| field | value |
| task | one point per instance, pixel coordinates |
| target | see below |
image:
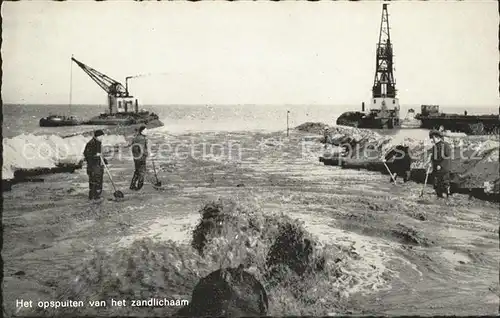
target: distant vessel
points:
(432, 118)
(61, 120)
(123, 109)
(384, 105)
(58, 121)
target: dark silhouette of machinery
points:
(123, 109)
(384, 105)
(119, 99)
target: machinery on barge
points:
(123, 108)
(384, 104)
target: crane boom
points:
(109, 85)
(119, 100)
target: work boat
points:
(58, 121)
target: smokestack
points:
(136, 106)
(363, 106)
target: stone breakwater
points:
(475, 159)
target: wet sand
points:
(420, 256)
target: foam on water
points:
(370, 272)
(164, 229)
(455, 257)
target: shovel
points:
(392, 176)
(426, 175)
(117, 194)
(158, 182)
(425, 182)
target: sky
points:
(249, 52)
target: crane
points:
(384, 106)
(384, 85)
(119, 99)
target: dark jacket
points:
(441, 156)
(400, 156)
(92, 148)
(140, 147)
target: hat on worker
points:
(436, 133)
(98, 133)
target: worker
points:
(441, 163)
(399, 162)
(326, 136)
(94, 159)
(140, 153)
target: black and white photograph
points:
(250, 158)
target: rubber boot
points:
(133, 185)
(407, 176)
(439, 192)
(140, 183)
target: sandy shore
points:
(418, 256)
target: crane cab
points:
(123, 104)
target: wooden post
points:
(287, 129)
(70, 84)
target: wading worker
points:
(95, 169)
(399, 162)
(441, 163)
(140, 153)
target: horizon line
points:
(237, 104)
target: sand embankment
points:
(475, 159)
(29, 152)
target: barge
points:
(58, 121)
(431, 118)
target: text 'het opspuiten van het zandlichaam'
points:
(151, 302)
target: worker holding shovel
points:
(399, 163)
(441, 163)
(140, 152)
(95, 168)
